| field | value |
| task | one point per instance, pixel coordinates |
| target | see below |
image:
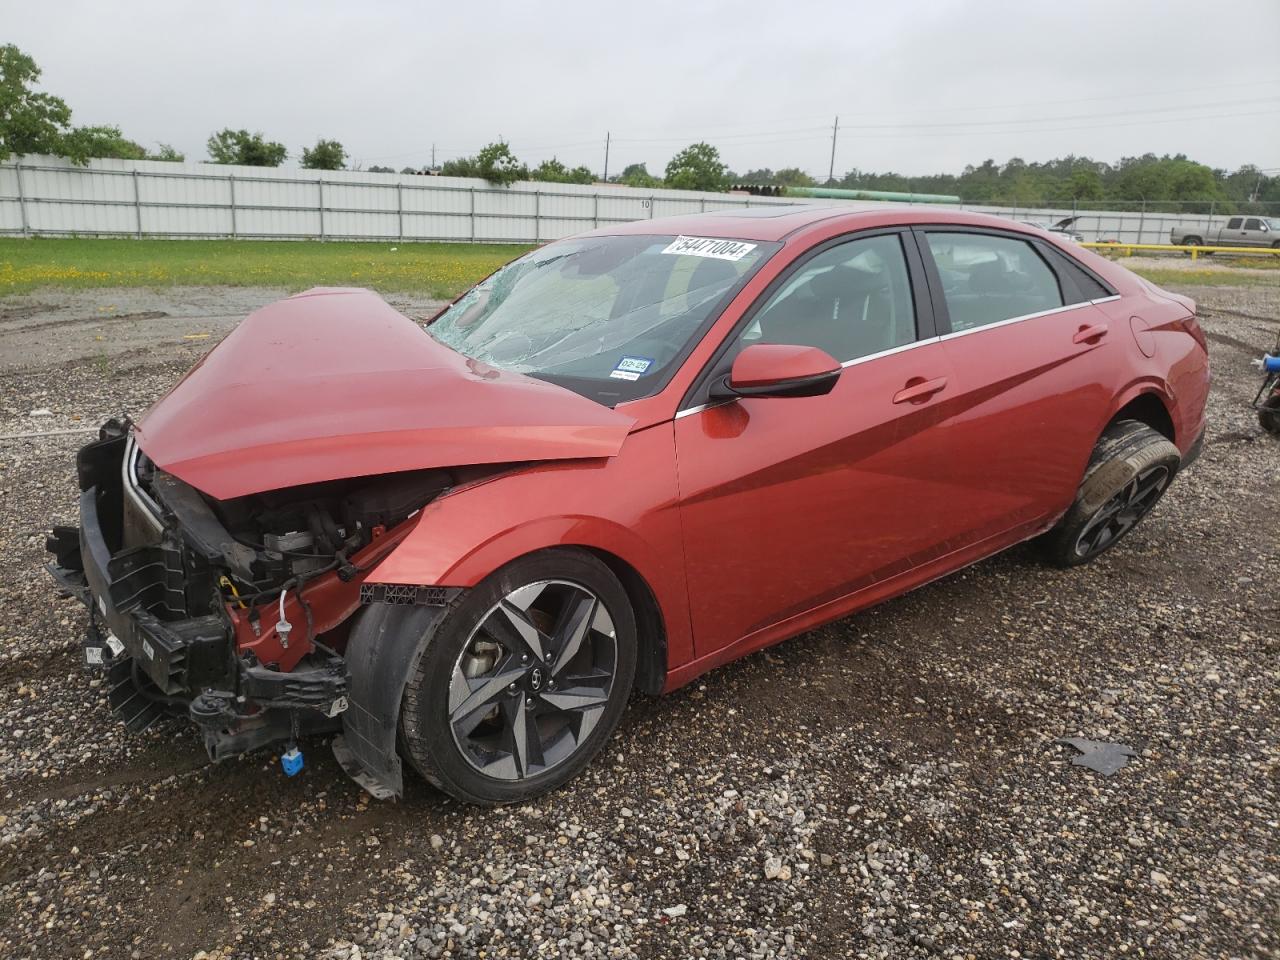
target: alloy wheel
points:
(1118, 515)
(532, 680)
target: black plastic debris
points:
(1105, 758)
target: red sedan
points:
(616, 463)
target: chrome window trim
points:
(1026, 316)
(129, 480)
(689, 411)
(892, 350)
(848, 363)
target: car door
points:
(1035, 366)
(789, 503)
(1232, 235)
(1253, 235)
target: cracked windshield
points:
(606, 316)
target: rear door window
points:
(1086, 286)
(1234, 223)
(987, 278)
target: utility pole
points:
(835, 129)
(433, 156)
(605, 178)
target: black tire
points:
(1192, 242)
(1269, 412)
(429, 734)
(1275, 244)
(1130, 470)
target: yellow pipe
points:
(1128, 248)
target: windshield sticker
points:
(631, 368)
(733, 250)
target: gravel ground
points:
(888, 786)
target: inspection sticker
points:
(631, 368)
(709, 247)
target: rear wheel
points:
(1192, 242)
(1131, 468)
(521, 684)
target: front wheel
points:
(1130, 470)
(523, 681)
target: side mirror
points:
(778, 370)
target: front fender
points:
(626, 506)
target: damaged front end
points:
(235, 613)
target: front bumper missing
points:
(170, 665)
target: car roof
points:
(775, 222)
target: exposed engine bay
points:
(234, 612)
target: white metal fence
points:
(49, 196)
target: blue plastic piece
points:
(1270, 364)
(291, 761)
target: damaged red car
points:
(614, 464)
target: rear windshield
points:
(608, 317)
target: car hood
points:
(334, 383)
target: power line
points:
(765, 136)
(1269, 82)
(1023, 121)
(1092, 126)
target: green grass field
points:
(440, 270)
(1172, 279)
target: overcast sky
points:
(919, 86)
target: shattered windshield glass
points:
(606, 316)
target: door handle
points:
(918, 390)
(1090, 333)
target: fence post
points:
(595, 211)
(651, 206)
(537, 216)
(1209, 226)
(472, 217)
(231, 182)
(320, 184)
(1142, 219)
(22, 200)
(137, 206)
(400, 210)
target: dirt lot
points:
(886, 787)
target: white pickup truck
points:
(1239, 232)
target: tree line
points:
(32, 121)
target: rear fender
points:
(1154, 387)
